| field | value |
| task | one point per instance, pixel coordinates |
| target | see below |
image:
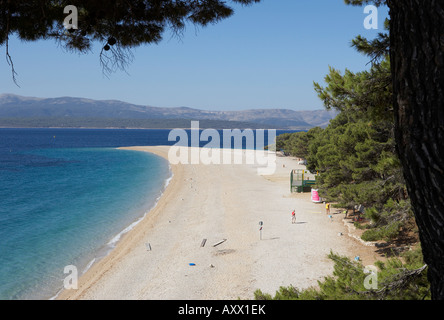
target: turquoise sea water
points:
(67, 206)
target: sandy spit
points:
(216, 203)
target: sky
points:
(264, 56)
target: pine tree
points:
(395, 279)
(417, 68)
(117, 25)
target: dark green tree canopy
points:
(131, 23)
(118, 25)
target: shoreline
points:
(214, 206)
(96, 267)
(109, 246)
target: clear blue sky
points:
(264, 56)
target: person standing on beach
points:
(293, 216)
(327, 207)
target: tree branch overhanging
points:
(130, 22)
(397, 282)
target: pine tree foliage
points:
(356, 155)
(297, 143)
(117, 25)
(364, 2)
(130, 23)
(402, 278)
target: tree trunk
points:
(417, 62)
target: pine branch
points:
(399, 282)
(8, 56)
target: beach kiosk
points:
(301, 180)
(315, 196)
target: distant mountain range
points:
(19, 111)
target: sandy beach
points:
(218, 203)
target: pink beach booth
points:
(315, 195)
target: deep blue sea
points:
(66, 196)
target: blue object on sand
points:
(192, 264)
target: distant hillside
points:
(79, 112)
